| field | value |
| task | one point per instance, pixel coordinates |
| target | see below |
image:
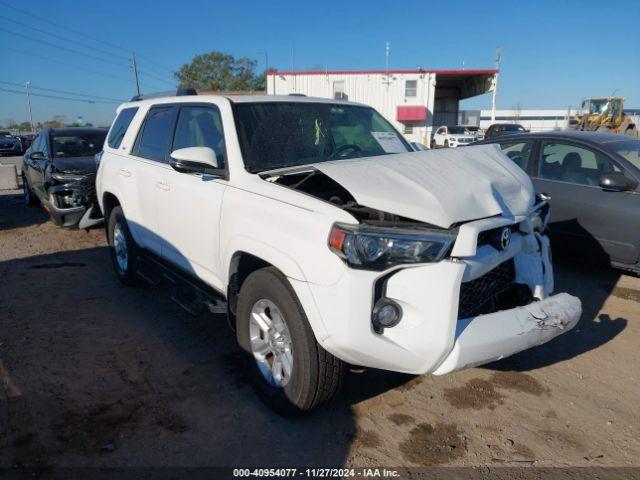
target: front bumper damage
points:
(492, 337)
(431, 338)
(74, 204)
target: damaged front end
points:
(435, 297)
(71, 199)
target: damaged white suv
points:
(327, 240)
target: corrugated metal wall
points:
(377, 90)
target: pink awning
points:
(412, 113)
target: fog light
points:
(386, 314)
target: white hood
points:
(439, 187)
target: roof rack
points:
(178, 93)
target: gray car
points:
(593, 180)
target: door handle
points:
(163, 185)
(124, 172)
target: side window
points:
(155, 137)
(441, 131)
(338, 90)
(35, 145)
(42, 144)
(518, 152)
(119, 127)
(573, 164)
(200, 126)
(410, 88)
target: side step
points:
(188, 292)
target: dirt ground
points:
(95, 374)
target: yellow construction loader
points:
(604, 115)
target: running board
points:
(188, 292)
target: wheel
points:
(122, 247)
(27, 194)
(288, 369)
(446, 144)
(433, 143)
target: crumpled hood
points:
(439, 187)
(75, 164)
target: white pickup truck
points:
(327, 240)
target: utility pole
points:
(26, 86)
(387, 53)
(495, 84)
(135, 72)
(266, 70)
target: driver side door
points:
(189, 204)
(37, 167)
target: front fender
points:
(256, 247)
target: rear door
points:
(189, 205)
(582, 213)
(143, 174)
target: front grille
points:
(492, 237)
(479, 296)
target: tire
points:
(123, 249)
(29, 198)
(315, 375)
(446, 144)
(433, 144)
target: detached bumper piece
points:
(487, 338)
(74, 204)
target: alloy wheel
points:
(120, 247)
(271, 343)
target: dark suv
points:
(59, 172)
(498, 129)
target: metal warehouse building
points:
(416, 101)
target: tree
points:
(220, 72)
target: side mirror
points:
(617, 181)
(194, 160)
(37, 156)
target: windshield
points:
(287, 134)
(630, 151)
(472, 129)
(80, 145)
(457, 130)
(513, 128)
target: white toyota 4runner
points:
(327, 240)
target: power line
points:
(60, 37)
(72, 50)
(64, 92)
(57, 97)
(145, 73)
(11, 49)
(69, 29)
(76, 43)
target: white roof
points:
(236, 99)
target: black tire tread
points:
(329, 371)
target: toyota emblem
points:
(505, 238)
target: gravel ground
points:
(95, 374)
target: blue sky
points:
(554, 52)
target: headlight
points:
(377, 248)
(67, 177)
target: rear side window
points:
(155, 138)
(518, 152)
(119, 128)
